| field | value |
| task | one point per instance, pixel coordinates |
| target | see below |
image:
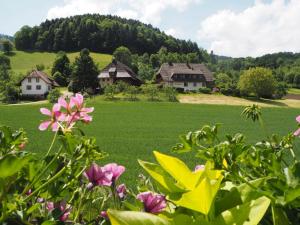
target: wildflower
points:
(55, 117)
(121, 191)
(28, 192)
(104, 215)
(115, 169)
(297, 132)
(153, 203)
(62, 206)
(81, 112)
(199, 168)
(97, 176)
(22, 145)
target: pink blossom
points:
(97, 176)
(153, 203)
(121, 191)
(115, 169)
(55, 116)
(297, 132)
(62, 206)
(199, 168)
(22, 145)
(81, 111)
(104, 215)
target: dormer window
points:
(29, 79)
(37, 80)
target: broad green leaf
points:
(279, 216)
(9, 165)
(178, 170)
(135, 218)
(292, 194)
(161, 176)
(250, 213)
(201, 198)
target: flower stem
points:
(80, 204)
(52, 143)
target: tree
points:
(7, 47)
(170, 93)
(85, 73)
(4, 61)
(258, 81)
(132, 92)
(145, 72)
(151, 90)
(296, 82)
(61, 68)
(110, 91)
(223, 80)
(9, 92)
(53, 95)
(123, 55)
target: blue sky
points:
(229, 27)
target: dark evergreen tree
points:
(61, 70)
(123, 55)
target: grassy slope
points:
(22, 62)
(132, 130)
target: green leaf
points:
(135, 218)
(249, 213)
(49, 222)
(161, 176)
(9, 165)
(279, 216)
(201, 198)
(178, 170)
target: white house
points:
(185, 76)
(37, 84)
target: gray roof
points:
(167, 70)
(122, 70)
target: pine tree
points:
(61, 65)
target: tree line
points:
(98, 33)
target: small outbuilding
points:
(37, 84)
(185, 76)
(117, 71)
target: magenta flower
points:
(62, 206)
(121, 191)
(97, 176)
(115, 169)
(104, 215)
(55, 117)
(297, 132)
(81, 111)
(199, 168)
(153, 203)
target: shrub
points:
(205, 90)
(40, 67)
(281, 90)
(121, 86)
(151, 90)
(53, 95)
(132, 92)
(10, 93)
(110, 91)
(171, 93)
(60, 79)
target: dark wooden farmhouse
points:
(117, 71)
(185, 76)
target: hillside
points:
(22, 62)
(99, 34)
(4, 36)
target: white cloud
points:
(148, 11)
(260, 29)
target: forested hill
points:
(99, 34)
(6, 37)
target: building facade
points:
(185, 76)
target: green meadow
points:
(22, 62)
(128, 131)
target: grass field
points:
(132, 130)
(22, 62)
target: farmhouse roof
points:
(167, 70)
(43, 76)
(121, 70)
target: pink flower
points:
(81, 111)
(55, 116)
(62, 206)
(121, 191)
(199, 168)
(104, 215)
(115, 169)
(97, 176)
(22, 145)
(297, 132)
(153, 203)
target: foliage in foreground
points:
(67, 186)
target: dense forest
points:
(98, 33)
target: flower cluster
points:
(65, 114)
(65, 209)
(153, 203)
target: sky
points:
(236, 28)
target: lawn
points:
(132, 130)
(22, 62)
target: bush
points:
(132, 92)
(40, 67)
(110, 91)
(151, 90)
(10, 93)
(171, 93)
(60, 79)
(205, 90)
(281, 90)
(53, 95)
(121, 86)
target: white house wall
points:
(190, 85)
(33, 84)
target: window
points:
(195, 84)
(186, 84)
(49, 87)
(37, 80)
(38, 87)
(28, 87)
(29, 79)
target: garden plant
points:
(234, 182)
